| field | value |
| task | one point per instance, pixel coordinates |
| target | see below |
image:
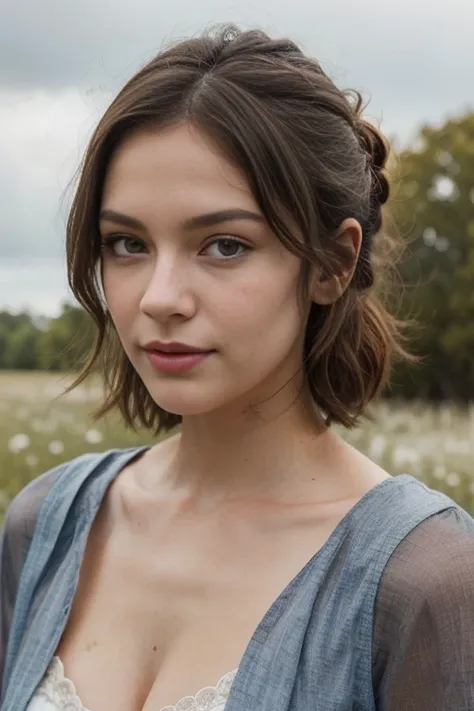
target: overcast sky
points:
(61, 62)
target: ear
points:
(326, 289)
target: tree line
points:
(431, 208)
(28, 342)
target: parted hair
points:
(311, 161)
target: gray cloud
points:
(61, 62)
(33, 283)
(415, 50)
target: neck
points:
(270, 454)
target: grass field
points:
(40, 429)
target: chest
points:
(161, 612)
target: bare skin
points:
(172, 589)
(197, 538)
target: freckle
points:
(154, 648)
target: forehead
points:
(178, 163)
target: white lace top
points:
(57, 693)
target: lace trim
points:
(60, 690)
(209, 698)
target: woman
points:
(221, 237)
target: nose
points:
(168, 290)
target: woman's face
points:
(193, 261)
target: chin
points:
(185, 404)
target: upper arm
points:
(18, 529)
(423, 656)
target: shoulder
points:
(17, 534)
(23, 511)
(439, 551)
(59, 487)
(425, 602)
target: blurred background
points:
(413, 61)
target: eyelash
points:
(108, 244)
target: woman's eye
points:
(222, 248)
(226, 248)
(123, 246)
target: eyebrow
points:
(207, 220)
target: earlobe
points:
(326, 290)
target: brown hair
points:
(307, 154)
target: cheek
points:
(261, 317)
(123, 298)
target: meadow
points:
(40, 428)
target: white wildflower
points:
(457, 446)
(32, 460)
(453, 479)
(93, 436)
(446, 415)
(56, 447)
(18, 442)
(405, 455)
(377, 447)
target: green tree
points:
(433, 207)
(20, 348)
(64, 344)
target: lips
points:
(169, 362)
(173, 348)
(176, 353)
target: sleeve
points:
(18, 528)
(423, 651)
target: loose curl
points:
(311, 161)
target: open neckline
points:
(261, 631)
(262, 628)
(341, 524)
(206, 699)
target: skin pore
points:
(197, 538)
